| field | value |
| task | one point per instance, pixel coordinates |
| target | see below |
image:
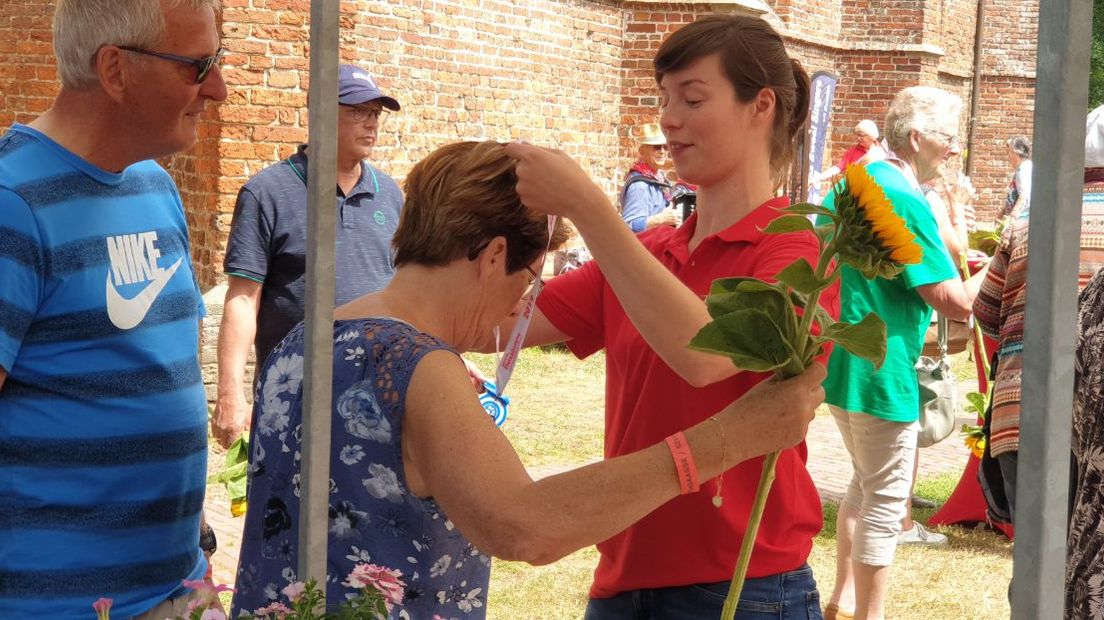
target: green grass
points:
(967, 579)
(556, 406)
(556, 419)
(553, 592)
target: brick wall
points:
(575, 73)
(27, 76)
(540, 70)
(1007, 94)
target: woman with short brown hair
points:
(422, 480)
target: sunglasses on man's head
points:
(203, 66)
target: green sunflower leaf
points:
(865, 339)
(977, 403)
(728, 295)
(740, 283)
(749, 337)
(800, 277)
(806, 208)
(788, 224)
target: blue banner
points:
(823, 93)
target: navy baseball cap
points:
(355, 86)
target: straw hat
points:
(651, 134)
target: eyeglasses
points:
(951, 140)
(659, 147)
(203, 66)
(362, 115)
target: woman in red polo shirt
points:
(732, 102)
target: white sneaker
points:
(920, 535)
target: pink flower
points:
(278, 609)
(200, 585)
(294, 590)
(387, 581)
(208, 591)
(102, 607)
(213, 614)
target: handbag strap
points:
(942, 334)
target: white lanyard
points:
(508, 360)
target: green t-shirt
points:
(891, 392)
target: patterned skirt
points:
(1085, 565)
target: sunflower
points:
(878, 212)
(869, 235)
(976, 444)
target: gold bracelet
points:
(717, 499)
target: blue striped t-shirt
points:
(103, 415)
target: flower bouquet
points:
(769, 327)
(380, 589)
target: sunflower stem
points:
(979, 338)
(766, 479)
(804, 330)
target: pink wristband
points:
(685, 467)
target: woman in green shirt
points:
(877, 411)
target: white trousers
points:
(883, 454)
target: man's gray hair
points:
(920, 108)
(82, 27)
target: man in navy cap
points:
(266, 252)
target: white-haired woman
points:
(866, 148)
(1018, 149)
(877, 412)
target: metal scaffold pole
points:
(1061, 95)
(318, 365)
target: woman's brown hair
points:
(753, 57)
(460, 197)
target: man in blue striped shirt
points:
(102, 409)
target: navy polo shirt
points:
(268, 242)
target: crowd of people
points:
(105, 418)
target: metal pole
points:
(314, 475)
(1061, 95)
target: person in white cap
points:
(266, 252)
(647, 192)
(865, 150)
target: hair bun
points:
(801, 97)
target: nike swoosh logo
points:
(128, 313)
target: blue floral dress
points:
(373, 518)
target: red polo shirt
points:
(687, 540)
(852, 156)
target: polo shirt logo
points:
(380, 218)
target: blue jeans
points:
(786, 596)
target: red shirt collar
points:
(747, 229)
